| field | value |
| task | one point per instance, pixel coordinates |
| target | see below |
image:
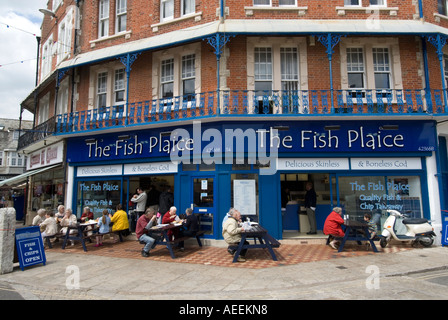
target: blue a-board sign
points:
(30, 247)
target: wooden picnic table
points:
(356, 231)
(266, 241)
(163, 239)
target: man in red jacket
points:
(333, 227)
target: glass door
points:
(204, 202)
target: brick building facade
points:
(117, 67)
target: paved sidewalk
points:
(119, 272)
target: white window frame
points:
(361, 68)
(384, 68)
(353, 5)
(176, 54)
(396, 80)
(263, 5)
(120, 12)
(276, 43)
(187, 74)
(384, 4)
(63, 98)
(1, 158)
(44, 108)
(103, 18)
(119, 86)
(110, 69)
(47, 58)
(183, 7)
(163, 5)
(288, 5)
(64, 42)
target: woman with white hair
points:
(39, 218)
(69, 220)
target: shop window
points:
(366, 194)
(47, 190)
(98, 195)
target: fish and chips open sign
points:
(29, 246)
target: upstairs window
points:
(101, 92)
(263, 70)
(167, 78)
(381, 68)
(167, 10)
(442, 6)
(366, 2)
(119, 87)
(287, 2)
(188, 76)
(355, 68)
(121, 11)
(289, 69)
(188, 7)
(262, 2)
(103, 28)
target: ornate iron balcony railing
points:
(247, 103)
(38, 133)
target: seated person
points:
(39, 218)
(332, 226)
(232, 233)
(48, 227)
(144, 223)
(372, 226)
(86, 214)
(191, 225)
(168, 218)
(120, 222)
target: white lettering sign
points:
(312, 164)
(150, 168)
(106, 170)
(386, 164)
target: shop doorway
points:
(204, 203)
(295, 221)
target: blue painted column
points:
(127, 60)
(439, 41)
(330, 41)
(218, 41)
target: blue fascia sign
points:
(246, 137)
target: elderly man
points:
(144, 223)
(232, 233)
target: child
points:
(372, 225)
(103, 224)
(49, 226)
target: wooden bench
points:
(96, 234)
(54, 236)
(197, 236)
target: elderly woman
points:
(39, 218)
(61, 212)
(332, 226)
(68, 220)
(231, 231)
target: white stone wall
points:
(7, 232)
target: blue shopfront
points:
(259, 167)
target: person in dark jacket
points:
(310, 205)
(191, 225)
(166, 201)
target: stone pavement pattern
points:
(304, 271)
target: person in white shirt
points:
(140, 200)
(48, 227)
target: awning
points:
(20, 178)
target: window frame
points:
(120, 15)
(103, 21)
(163, 6)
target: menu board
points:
(244, 197)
